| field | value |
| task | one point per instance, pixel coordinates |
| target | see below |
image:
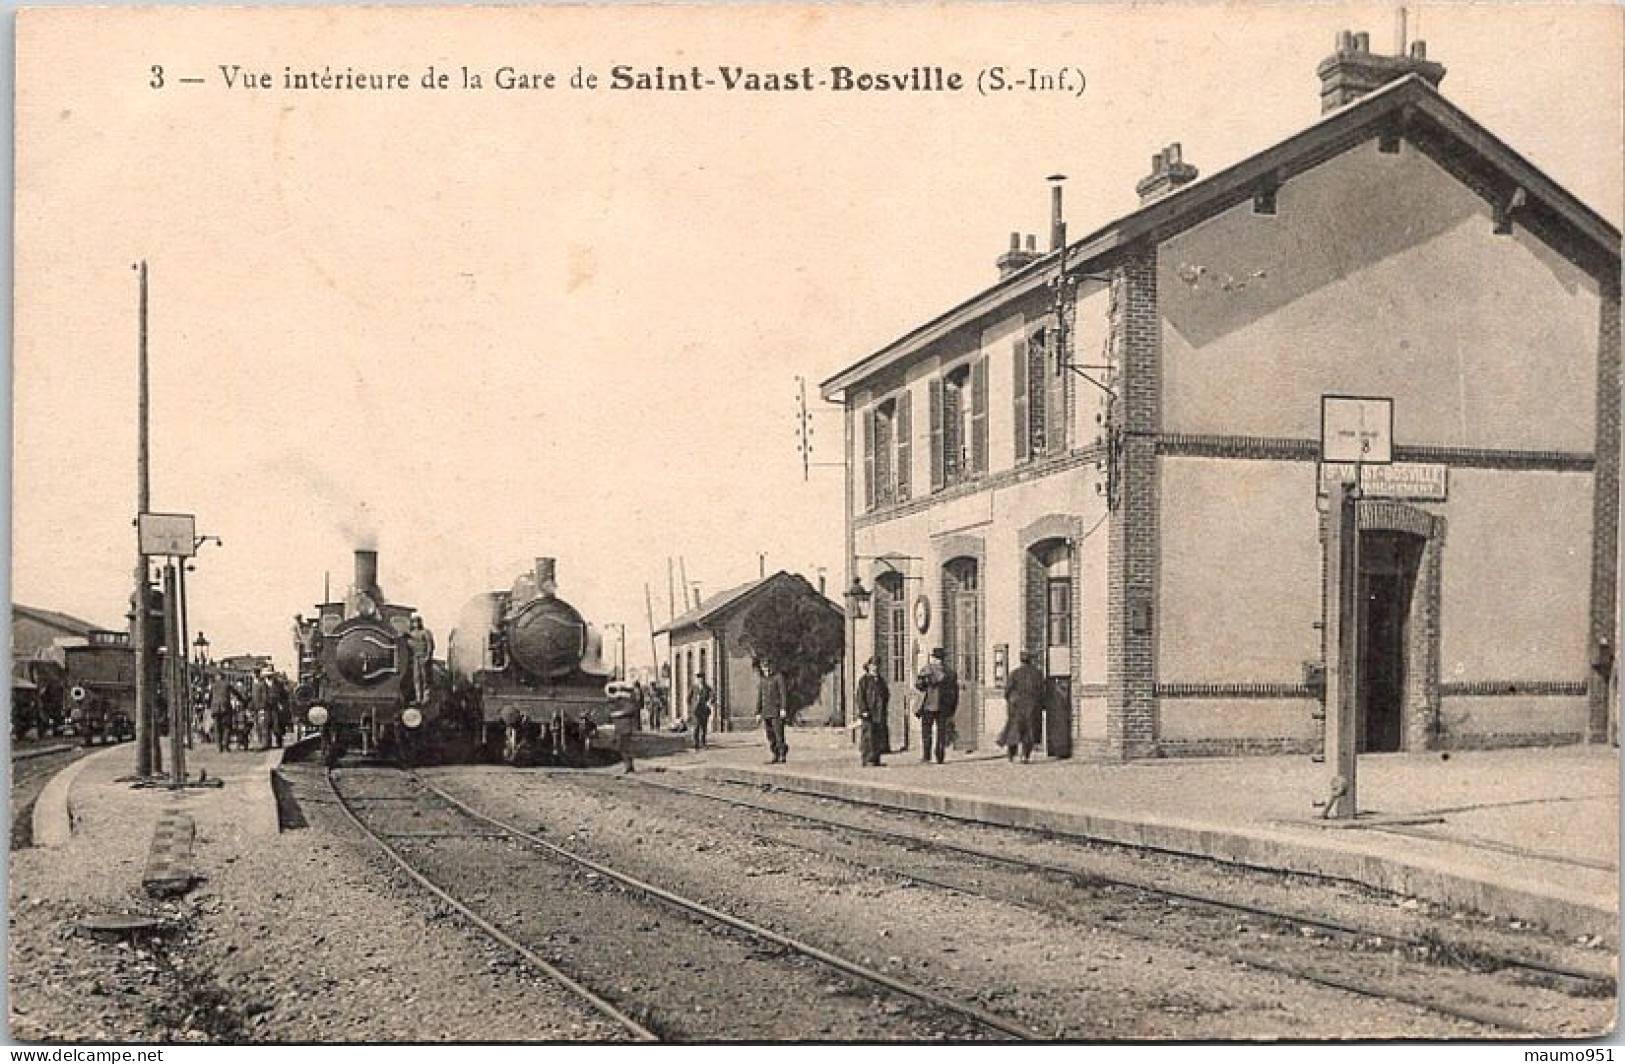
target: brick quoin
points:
(1605, 510)
(1131, 703)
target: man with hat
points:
(1024, 706)
(700, 698)
(873, 696)
(772, 702)
(936, 710)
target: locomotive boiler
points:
(525, 671)
(364, 664)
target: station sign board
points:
(1356, 428)
(1419, 481)
(167, 535)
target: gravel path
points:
(680, 975)
(306, 937)
(1092, 982)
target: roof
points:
(51, 618)
(1411, 97)
(723, 602)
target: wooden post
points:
(176, 681)
(1343, 653)
(138, 631)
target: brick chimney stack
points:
(1168, 172)
(1354, 69)
(1018, 257)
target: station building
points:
(1119, 470)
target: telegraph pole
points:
(138, 633)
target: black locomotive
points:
(526, 674)
(365, 668)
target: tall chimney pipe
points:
(366, 571)
(547, 584)
(1057, 221)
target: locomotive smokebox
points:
(547, 584)
(366, 572)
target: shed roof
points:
(713, 608)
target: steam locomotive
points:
(361, 682)
(526, 673)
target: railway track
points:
(1388, 987)
(766, 945)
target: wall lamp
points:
(858, 595)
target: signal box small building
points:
(1119, 471)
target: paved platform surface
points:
(92, 800)
(1529, 834)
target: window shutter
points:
(1023, 438)
(869, 459)
(1055, 426)
(937, 478)
(978, 416)
(905, 445)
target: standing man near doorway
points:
(941, 690)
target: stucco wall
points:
(1381, 275)
(1517, 576)
(1239, 575)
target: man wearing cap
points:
(772, 698)
(700, 698)
(936, 711)
(1024, 705)
(873, 696)
(421, 642)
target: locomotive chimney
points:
(547, 584)
(366, 570)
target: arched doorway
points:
(962, 643)
(891, 653)
(1049, 635)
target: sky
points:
(470, 328)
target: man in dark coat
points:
(1024, 704)
(936, 712)
(700, 700)
(873, 697)
(772, 699)
(220, 709)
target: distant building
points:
(1120, 474)
(33, 630)
(706, 640)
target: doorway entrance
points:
(962, 642)
(1389, 563)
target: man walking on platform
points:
(941, 689)
(700, 699)
(771, 699)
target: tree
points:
(793, 631)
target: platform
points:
(1530, 835)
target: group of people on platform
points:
(938, 684)
(1025, 692)
(250, 712)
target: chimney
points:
(1353, 69)
(547, 584)
(366, 571)
(1168, 172)
(1017, 258)
(1057, 220)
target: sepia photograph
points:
(937, 523)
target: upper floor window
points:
(959, 424)
(887, 451)
(1040, 397)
